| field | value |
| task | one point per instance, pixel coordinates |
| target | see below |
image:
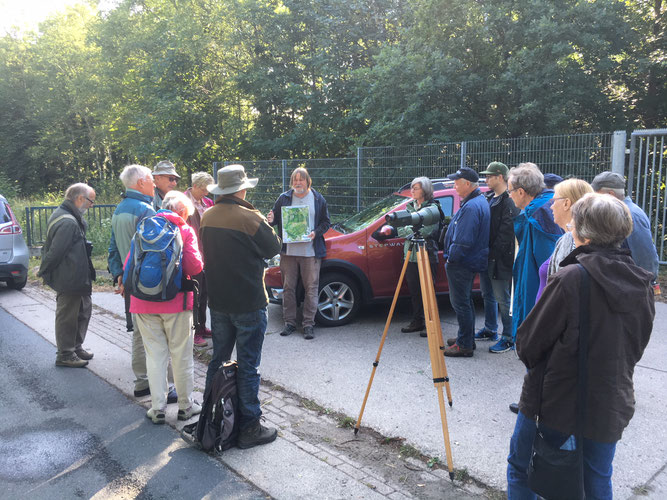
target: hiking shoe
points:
(255, 434)
(501, 346)
(288, 330)
(205, 332)
(70, 360)
(514, 408)
(83, 354)
(414, 326)
(458, 352)
(423, 333)
(453, 341)
(308, 332)
(157, 416)
(200, 341)
(194, 409)
(142, 392)
(485, 334)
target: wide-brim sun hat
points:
(231, 179)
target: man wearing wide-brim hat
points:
(236, 238)
(166, 179)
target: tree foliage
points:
(197, 81)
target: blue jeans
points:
(496, 294)
(460, 296)
(246, 330)
(598, 459)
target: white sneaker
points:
(194, 409)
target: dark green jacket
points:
(65, 265)
(236, 239)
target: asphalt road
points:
(66, 433)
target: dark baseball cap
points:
(496, 168)
(466, 173)
(550, 180)
(609, 180)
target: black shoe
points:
(423, 334)
(130, 328)
(414, 326)
(288, 330)
(143, 392)
(172, 397)
(514, 408)
(308, 332)
(256, 434)
(451, 342)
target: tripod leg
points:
(435, 344)
(384, 337)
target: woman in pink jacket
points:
(166, 327)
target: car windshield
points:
(370, 214)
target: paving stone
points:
(329, 458)
(398, 495)
(292, 410)
(288, 436)
(378, 485)
(307, 447)
(355, 472)
(441, 473)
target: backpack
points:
(218, 425)
(155, 262)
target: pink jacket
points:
(192, 264)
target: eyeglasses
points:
(510, 191)
(92, 202)
(173, 179)
(558, 198)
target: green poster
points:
(295, 224)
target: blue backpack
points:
(154, 269)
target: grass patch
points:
(311, 405)
(409, 451)
(348, 422)
(461, 475)
(432, 462)
(641, 490)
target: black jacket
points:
(501, 235)
(621, 319)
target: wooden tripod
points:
(436, 345)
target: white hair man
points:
(66, 267)
(137, 204)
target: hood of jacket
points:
(609, 266)
(171, 217)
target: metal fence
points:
(37, 219)
(350, 184)
(647, 175)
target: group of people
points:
(225, 245)
(558, 227)
(224, 248)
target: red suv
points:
(359, 269)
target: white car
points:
(14, 254)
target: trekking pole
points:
(384, 335)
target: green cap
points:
(496, 168)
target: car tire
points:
(338, 300)
(17, 284)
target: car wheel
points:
(338, 301)
(17, 284)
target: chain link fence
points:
(350, 184)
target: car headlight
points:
(274, 261)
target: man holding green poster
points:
(302, 217)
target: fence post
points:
(618, 145)
(359, 179)
(463, 154)
(27, 226)
(284, 168)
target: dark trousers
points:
(72, 317)
(128, 314)
(412, 277)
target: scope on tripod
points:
(424, 217)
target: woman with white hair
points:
(166, 326)
(198, 196)
(615, 316)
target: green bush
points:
(99, 234)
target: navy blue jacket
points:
(467, 238)
(322, 222)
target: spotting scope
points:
(424, 217)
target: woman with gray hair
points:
(198, 195)
(166, 326)
(620, 310)
(421, 190)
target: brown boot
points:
(458, 352)
(255, 434)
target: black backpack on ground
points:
(217, 428)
